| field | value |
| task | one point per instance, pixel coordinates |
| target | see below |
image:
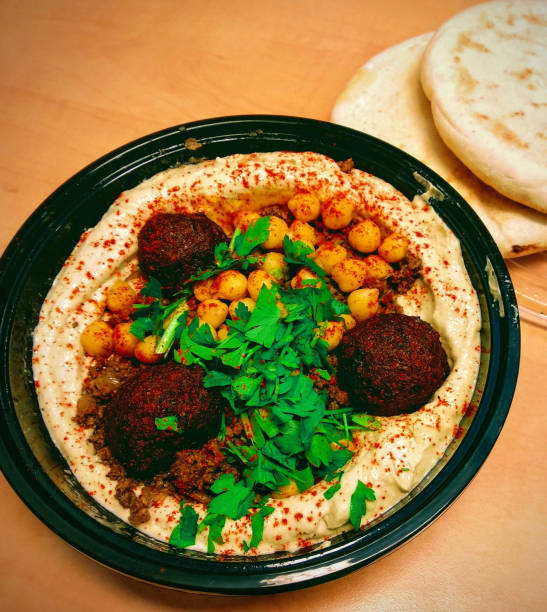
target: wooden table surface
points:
(79, 78)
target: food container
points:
(40, 475)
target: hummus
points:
(392, 461)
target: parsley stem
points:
(346, 429)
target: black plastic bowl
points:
(40, 475)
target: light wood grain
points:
(79, 79)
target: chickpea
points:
(258, 278)
(230, 285)
(376, 268)
(96, 339)
(393, 248)
(349, 275)
(278, 230)
(203, 289)
(305, 206)
(299, 230)
(123, 340)
(328, 255)
(363, 303)
(332, 333)
(212, 311)
(349, 321)
(250, 303)
(274, 264)
(223, 332)
(286, 490)
(145, 351)
(365, 236)
(120, 297)
(337, 213)
(303, 277)
(244, 218)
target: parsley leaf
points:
(262, 324)
(257, 525)
(184, 534)
(298, 252)
(358, 503)
(366, 421)
(233, 499)
(257, 233)
(303, 478)
(168, 423)
(142, 327)
(331, 490)
(216, 525)
(152, 288)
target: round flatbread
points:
(485, 73)
(385, 99)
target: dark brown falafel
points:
(391, 364)
(165, 390)
(173, 246)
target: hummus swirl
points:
(392, 461)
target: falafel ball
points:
(168, 389)
(173, 246)
(391, 364)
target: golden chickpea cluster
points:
(353, 251)
(100, 340)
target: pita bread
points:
(386, 100)
(485, 73)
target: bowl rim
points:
(52, 507)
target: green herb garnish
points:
(265, 370)
(168, 423)
(358, 503)
(184, 534)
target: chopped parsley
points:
(184, 534)
(168, 423)
(358, 503)
(265, 369)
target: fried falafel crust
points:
(391, 364)
(165, 390)
(173, 246)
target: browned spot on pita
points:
(499, 129)
(523, 74)
(464, 40)
(510, 20)
(541, 135)
(535, 19)
(502, 131)
(485, 22)
(518, 114)
(465, 81)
